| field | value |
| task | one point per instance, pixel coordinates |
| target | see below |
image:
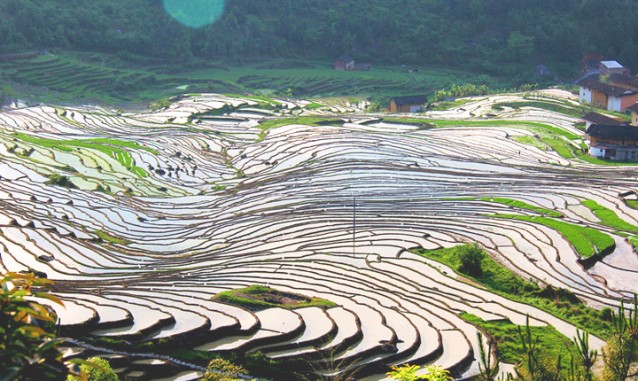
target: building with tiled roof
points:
(613, 142)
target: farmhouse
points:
(613, 142)
(411, 103)
(611, 87)
(344, 62)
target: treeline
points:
(480, 35)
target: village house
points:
(344, 62)
(613, 142)
(611, 87)
(411, 103)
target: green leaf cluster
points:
(28, 346)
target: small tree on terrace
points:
(470, 259)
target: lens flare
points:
(195, 13)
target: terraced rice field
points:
(165, 213)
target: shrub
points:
(223, 370)
(409, 373)
(60, 180)
(28, 347)
(95, 369)
(470, 258)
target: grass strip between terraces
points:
(256, 297)
(509, 344)
(586, 241)
(632, 203)
(304, 120)
(110, 147)
(111, 238)
(609, 218)
(545, 105)
(504, 282)
(522, 205)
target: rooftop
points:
(611, 64)
(410, 100)
(593, 82)
(633, 107)
(597, 118)
(604, 131)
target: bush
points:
(223, 370)
(28, 347)
(95, 369)
(470, 258)
(60, 180)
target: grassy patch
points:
(586, 241)
(530, 141)
(546, 105)
(593, 160)
(114, 148)
(304, 120)
(522, 205)
(257, 298)
(111, 238)
(421, 123)
(440, 106)
(632, 204)
(509, 344)
(609, 218)
(313, 106)
(502, 281)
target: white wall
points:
(597, 152)
(613, 104)
(585, 95)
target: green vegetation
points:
(523, 205)
(500, 39)
(502, 281)
(619, 354)
(459, 91)
(313, 106)
(559, 107)
(257, 297)
(447, 105)
(421, 123)
(470, 259)
(509, 343)
(60, 180)
(223, 370)
(95, 369)
(111, 147)
(305, 120)
(133, 50)
(531, 141)
(28, 347)
(409, 373)
(586, 241)
(607, 217)
(632, 203)
(111, 238)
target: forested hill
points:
(475, 34)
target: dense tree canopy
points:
(477, 34)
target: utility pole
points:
(354, 223)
